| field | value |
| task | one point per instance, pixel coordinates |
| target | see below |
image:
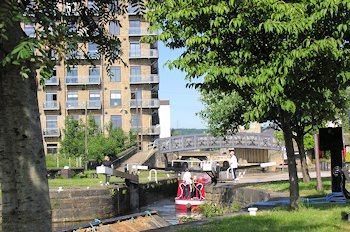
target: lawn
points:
(312, 219)
(88, 181)
(305, 189)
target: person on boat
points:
(107, 162)
(187, 179)
(233, 164)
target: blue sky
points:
(184, 102)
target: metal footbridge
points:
(202, 141)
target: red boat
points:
(190, 196)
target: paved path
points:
(271, 176)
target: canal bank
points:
(87, 203)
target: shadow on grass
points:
(281, 220)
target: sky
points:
(184, 102)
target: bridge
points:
(202, 141)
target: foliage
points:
(223, 111)
(98, 145)
(308, 139)
(72, 143)
(187, 131)
(209, 210)
(61, 33)
(288, 60)
(236, 206)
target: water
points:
(166, 209)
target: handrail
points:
(155, 175)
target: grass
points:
(305, 189)
(88, 181)
(311, 219)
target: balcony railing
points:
(52, 81)
(145, 53)
(51, 132)
(75, 105)
(145, 103)
(144, 79)
(90, 80)
(94, 55)
(152, 130)
(94, 104)
(137, 31)
(51, 105)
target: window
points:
(115, 74)
(29, 30)
(135, 121)
(134, 27)
(51, 122)
(135, 73)
(94, 99)
(73, 72)
(116, 121)
(51, 148)
(116, 98)
(93, 49)
(97, 119)
(135, 49)
(94, 74)
(92, 4)
(114, 28)
(72, 99)
(72, 75)
(133, 7)
(51, 96)
(136, 94)
(53, 79)
(51, 100)
(72, 27)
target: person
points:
(187, 179)
(233, 164)
(107, 162)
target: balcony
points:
(92, 54)
(51, 105)
(137, 31)
(53, 81)
(94, 105)
(75, 105)
(146, 103)
(144, 79)
(90, 80)
(144, 54)
(51, 132)
(152, 130)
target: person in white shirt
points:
(187, 179)
(233, 164)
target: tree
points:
(62, 29)
(72, 143)
(279, 56)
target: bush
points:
(210, 210)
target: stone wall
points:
(83, 204)
(226, 195)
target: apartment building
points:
(127, 97)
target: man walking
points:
(233, 164)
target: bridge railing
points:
(239, 140)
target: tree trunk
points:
(304, 168)
(25, 193)
(292, 168)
